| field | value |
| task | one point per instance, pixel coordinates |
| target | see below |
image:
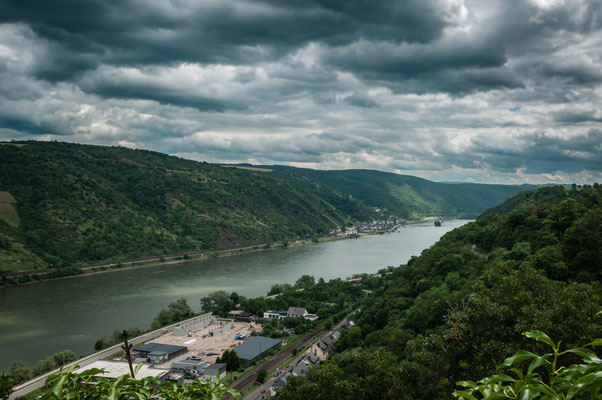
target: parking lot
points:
(206, 346)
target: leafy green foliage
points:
(54, 361)
(230, 358)
(19, 372)
(457, 312)
(177, 311)
(261, 375)
(6, 386)
(68, 385)
(545, 377)
(305, 282)
(117, 337)
(218, 302)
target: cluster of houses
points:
(368, 227)
(297, 312)
(318, 352)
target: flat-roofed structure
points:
(215, 370)
(243, 316)
(158, 353)
(274, 314)
(189, 366)
(255, 348)
(115, 369)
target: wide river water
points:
(43, 318)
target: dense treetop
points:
(457, 311)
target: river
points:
(39, 319)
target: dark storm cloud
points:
(133, 32)
(447, 89)
(577, 117)
(538, 153)
(360, 100)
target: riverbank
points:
(36, 276)
(73, 313)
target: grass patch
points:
(9, 214)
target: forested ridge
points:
(79, 203)
(64, 204)
(457, 311)
(408, 196)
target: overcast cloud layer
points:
(472, 90)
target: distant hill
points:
(408, 196)
(538, 198)
(77, 204)
(65, 204)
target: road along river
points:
(40, 319)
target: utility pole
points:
(127, 347)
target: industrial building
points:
(196, 366)
(157, 353)
(255, 348)
(242, 316)
(115, 369)
(215, 370)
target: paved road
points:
(38, 382)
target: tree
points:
(19, 372)
(232, 361)
(6, 386)
(177, 311)
(261, 375)
(64, 357)
(43, 366)
(235, 297)
(101, 343)
(218, 301)
(279, 288)
(305, 282)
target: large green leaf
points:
(540, 337)
(519, 356)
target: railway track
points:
(246, 381)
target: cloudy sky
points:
(470, 90)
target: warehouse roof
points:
(160, 347)
(115, 369)
(255, 346)
(194, 363)
(216, 366)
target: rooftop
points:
(115, 369)
(160, 347)
(297, 311)
(255, 346)
(215, 366)
(189, 362)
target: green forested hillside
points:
(408, 196)
(457, 311)
(80, 203)
(65, 204)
